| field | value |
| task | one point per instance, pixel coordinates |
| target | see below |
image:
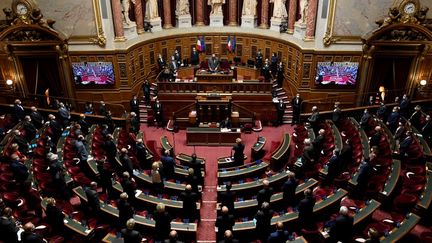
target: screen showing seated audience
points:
(93, 73)
(337, 73)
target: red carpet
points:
(206, 230)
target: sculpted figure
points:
(152, 9)
(216, 6)
(125, 11)
(279, 9)
(303, 10)
(249, 8)
(182, 7)
(393, 16)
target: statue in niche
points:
(216, 7)
(125, 11)
(249, 8)
(152, 9)
(303, 11)
(182, 7)
(393, 16)
(279, 9)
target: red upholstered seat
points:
(405, 202)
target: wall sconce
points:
(421, 87)
(9, 82)
(423, 83)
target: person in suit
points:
(308, 156)
(146, 91)
(318, 142)
(259, 60)
(158, 112)
(305, 210)
(23, 145)
(192, 180)
(93, 204)
(125, 161)
(177, 58)
(134, 123)
(376, 138)
(134, 104)
(105, 177)
(280, 235)
(280, 111)
(342, 230)
(19, 170)
(190, 199)
(126, 210)
(263, 219)
(157, 179)
(416, 117)
(274, 63)
(314, 119)
(224, 222)
(168, 165)
(8, 227)
(57, 173)
(400, 132)
(426, 130)
(296, 103)
(173, 65)
(36, 117)
(103, 111)
(194, 58)
(228, 197)
(337, 113)
(141, 154)
(64, 114)
(160, 62)
(213, 63)
(88, 108)
(18, 113)
(289, 189)
(225, 123)
(54, 215)
(265, 193)
(265, 71)
(197, 166)
(364, 175)
(333, 167)
(406, 143)
(173, 237)
(382, 110)
(129, 234)
(85, 126)
(29, 128)
(393, 119)
(110, 149)
(280, 74)
(238, 152)
(129, 186)
(228, 237)
(29, 236)
(364, 120)
(81, 148)
(162, 222)
(55, 126)
(346, 154)
(404, 106)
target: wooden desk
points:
(426, 196)
(281, 154)
(247, 172)
(405, 227)
(211, 136)
(392, 179)
(166, 145)
(217, 77)
(186, 73)
(247, 73)
(257, 150)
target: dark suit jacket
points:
(134, 105)
(264, 195)
(225, 124)
(314, 118)
(365, 119)
(296, 103)
(126, 163)
(342, 230)
(393, 119)
(30, 130)
(64, 113)
(224, 222)
(189, 201)
(8, 229)
(227, 199)
(92, 199)
(102, 110)
(194, 60)
(141, 153)
(36, 118)
(126, 211)
(288, 189)
(163, 225)
(19, 170)
(365, 173)
(19, 112)
(168, 163)
(161, 63)
(30, 237)
(305, 210)
(22, 143)
(81, 150)
(54, 216)
(375, 139)
(263, 220)
(318, 143)
(336, 115)
(128, 187)
(110, 149)
(131, 236)
(84, 126)
(213, 64)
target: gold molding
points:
(98, 39)
(330, 37)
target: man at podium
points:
(213, 63)
(226, 123)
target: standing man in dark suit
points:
(225, 123)
(54, 215)
(213, 63)
(393, 119)
(173, 65)
(29, 128)
(416, 117)
(297, 105)
(364, 120)
(110, 149)
(162, 223)
(314, 119)
(85, 126)
(161, 62)
(228, 198)
(238, 152)
(105, 178)
(265, 193)
(125, 161)
(141, 154)
(129, 186)
(81, 149)
(134, 123)
(280, 74)
(342, 230)
(168, 165)
(158, 113)
(259, 60)
(194, 59)
(404, 106)
(364, 175)
(103, 111)
(265, 71)
(134, 104)
(37, 118)
(318, 142)
(224, 222)
(280, 235)
(177, 58)
(56, 127)
(129, 234)
(289, 189)
(8, 227)
(305, 209)
(146, 90)
(263, 221)
(337, 113)
(19, 112)
(274, 63)
(92, 195)
(126, 210)
(406, 143)
(280, 112)
(64, 114)
(189, 199)
(382, 110)
(333, 167)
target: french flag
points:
(203, 45)
(229, 44)
(233, 44)
(198, 44)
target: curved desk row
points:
(281, 154)
(388, 133)
(364, 138)
(186, 159)
(241, 173)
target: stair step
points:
(287, 121)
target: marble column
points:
(264, 14)
(167, 14)
(199, 13)
(139, 18)
(311, 20)
(118, 20)
(232, 13)
(292, 13)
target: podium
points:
(213, 106)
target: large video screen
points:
(93, 73)
(337, 73)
